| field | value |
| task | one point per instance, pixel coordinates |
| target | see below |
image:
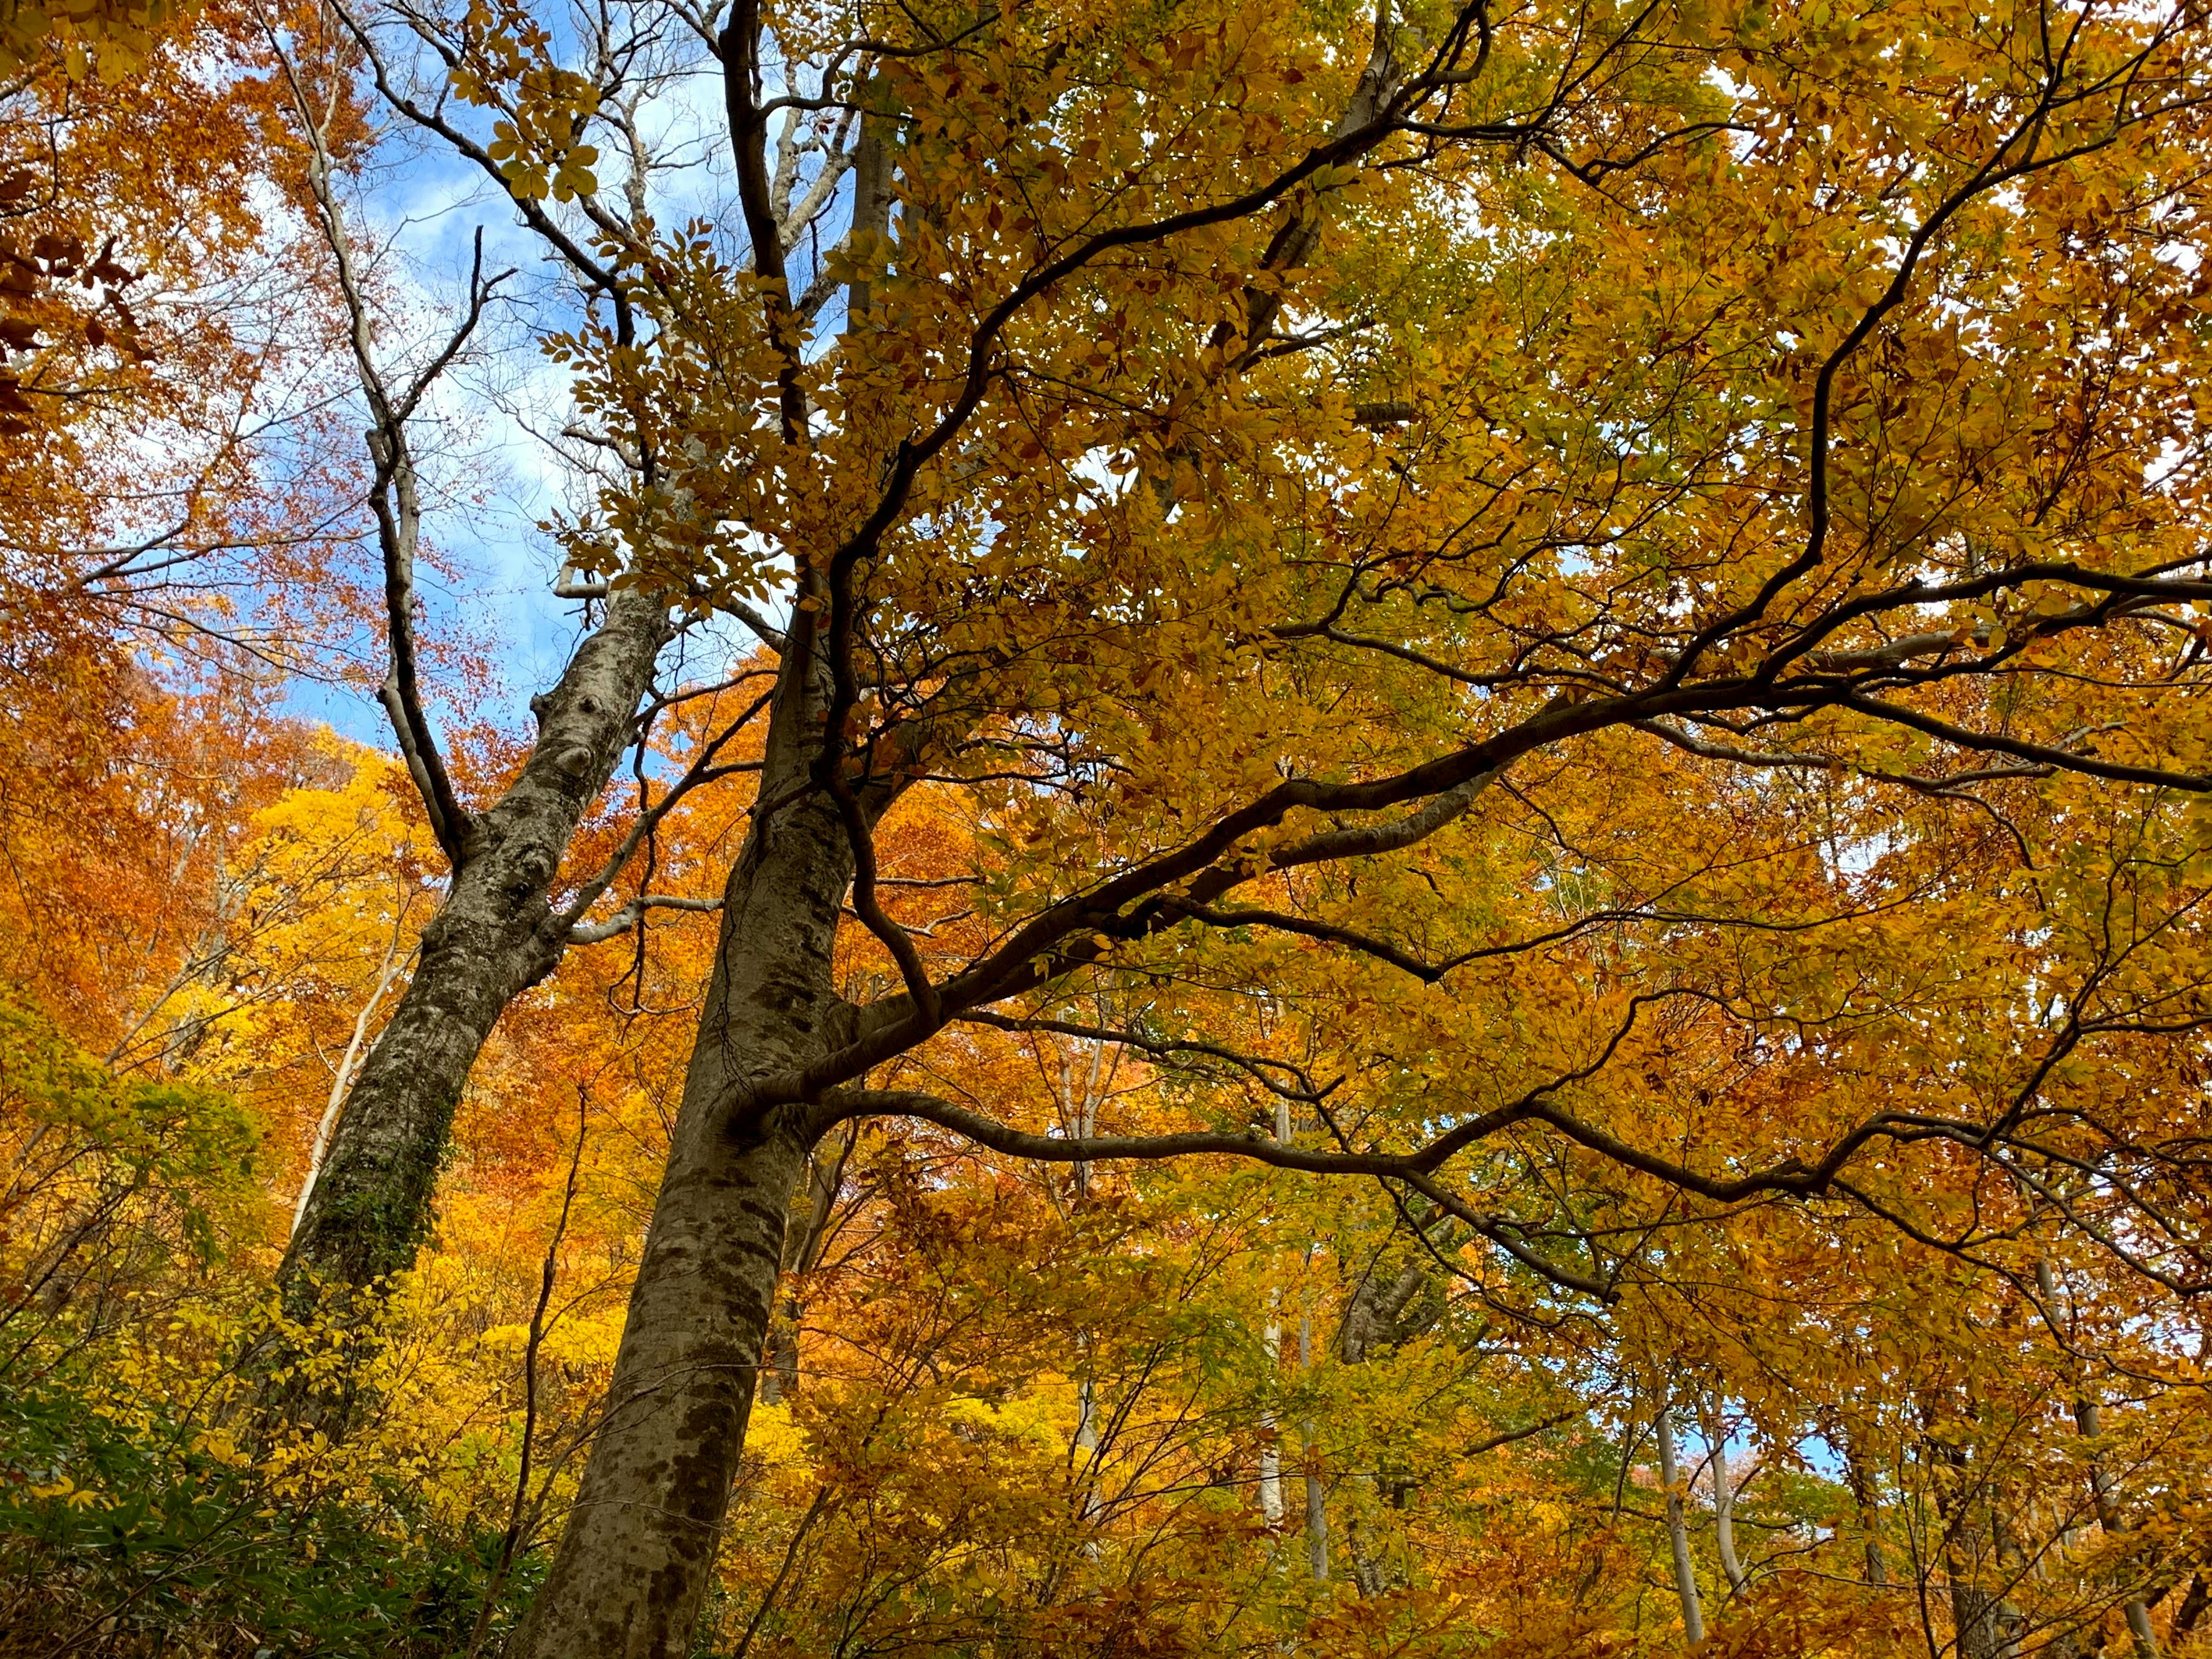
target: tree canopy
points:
(1379, 831)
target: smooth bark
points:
(1271, 1452)
(1678, 1533)
(1725, 1502)
(2088, 1418)
(633, 1567)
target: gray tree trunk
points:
(1723, 1500)
(2089, 1419)
(1316, 1495)
(495, 935)
(633, 1567)
(1271, 1452)
(1678, 1533)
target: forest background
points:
(1440, 771)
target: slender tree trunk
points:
(2089, 1419)
(1678, 1533)
(342, 1075)
(634, 1564)
(495, 935)
(1869, 1512)
(1271, 1450)
(802, 1250)
(1087, 1446)
(1316, 1496)
(1271, 1447)
(1725, 1502)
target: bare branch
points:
(394, 496)
(595, 933)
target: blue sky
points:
(491, 475)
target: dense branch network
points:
(1794, 670)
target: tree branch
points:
(394, 496)
(594, 932)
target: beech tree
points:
(1594, 593)
(177, 339)
(510, 909)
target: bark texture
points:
(804, 1237)
(495, 935)
(634, 1561)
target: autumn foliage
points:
(1382, 833)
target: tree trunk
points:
(1271, 1452)
(1723, 1501)
(1678, 1534)
(1974, 1614)
(342, 1074)
(1373, 1315)
(2193, 1603)
(2088, 1418)
(1865, 1498)
(1316, 1495)
(639, 1550)
(634, 1564)
(494, 937)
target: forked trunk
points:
(494, 937)
(634, 1563)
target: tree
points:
(509, 911)
(1607, 595)
(158, 373)
(155, 587)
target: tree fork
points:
(633, 1563)
(494, 937)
